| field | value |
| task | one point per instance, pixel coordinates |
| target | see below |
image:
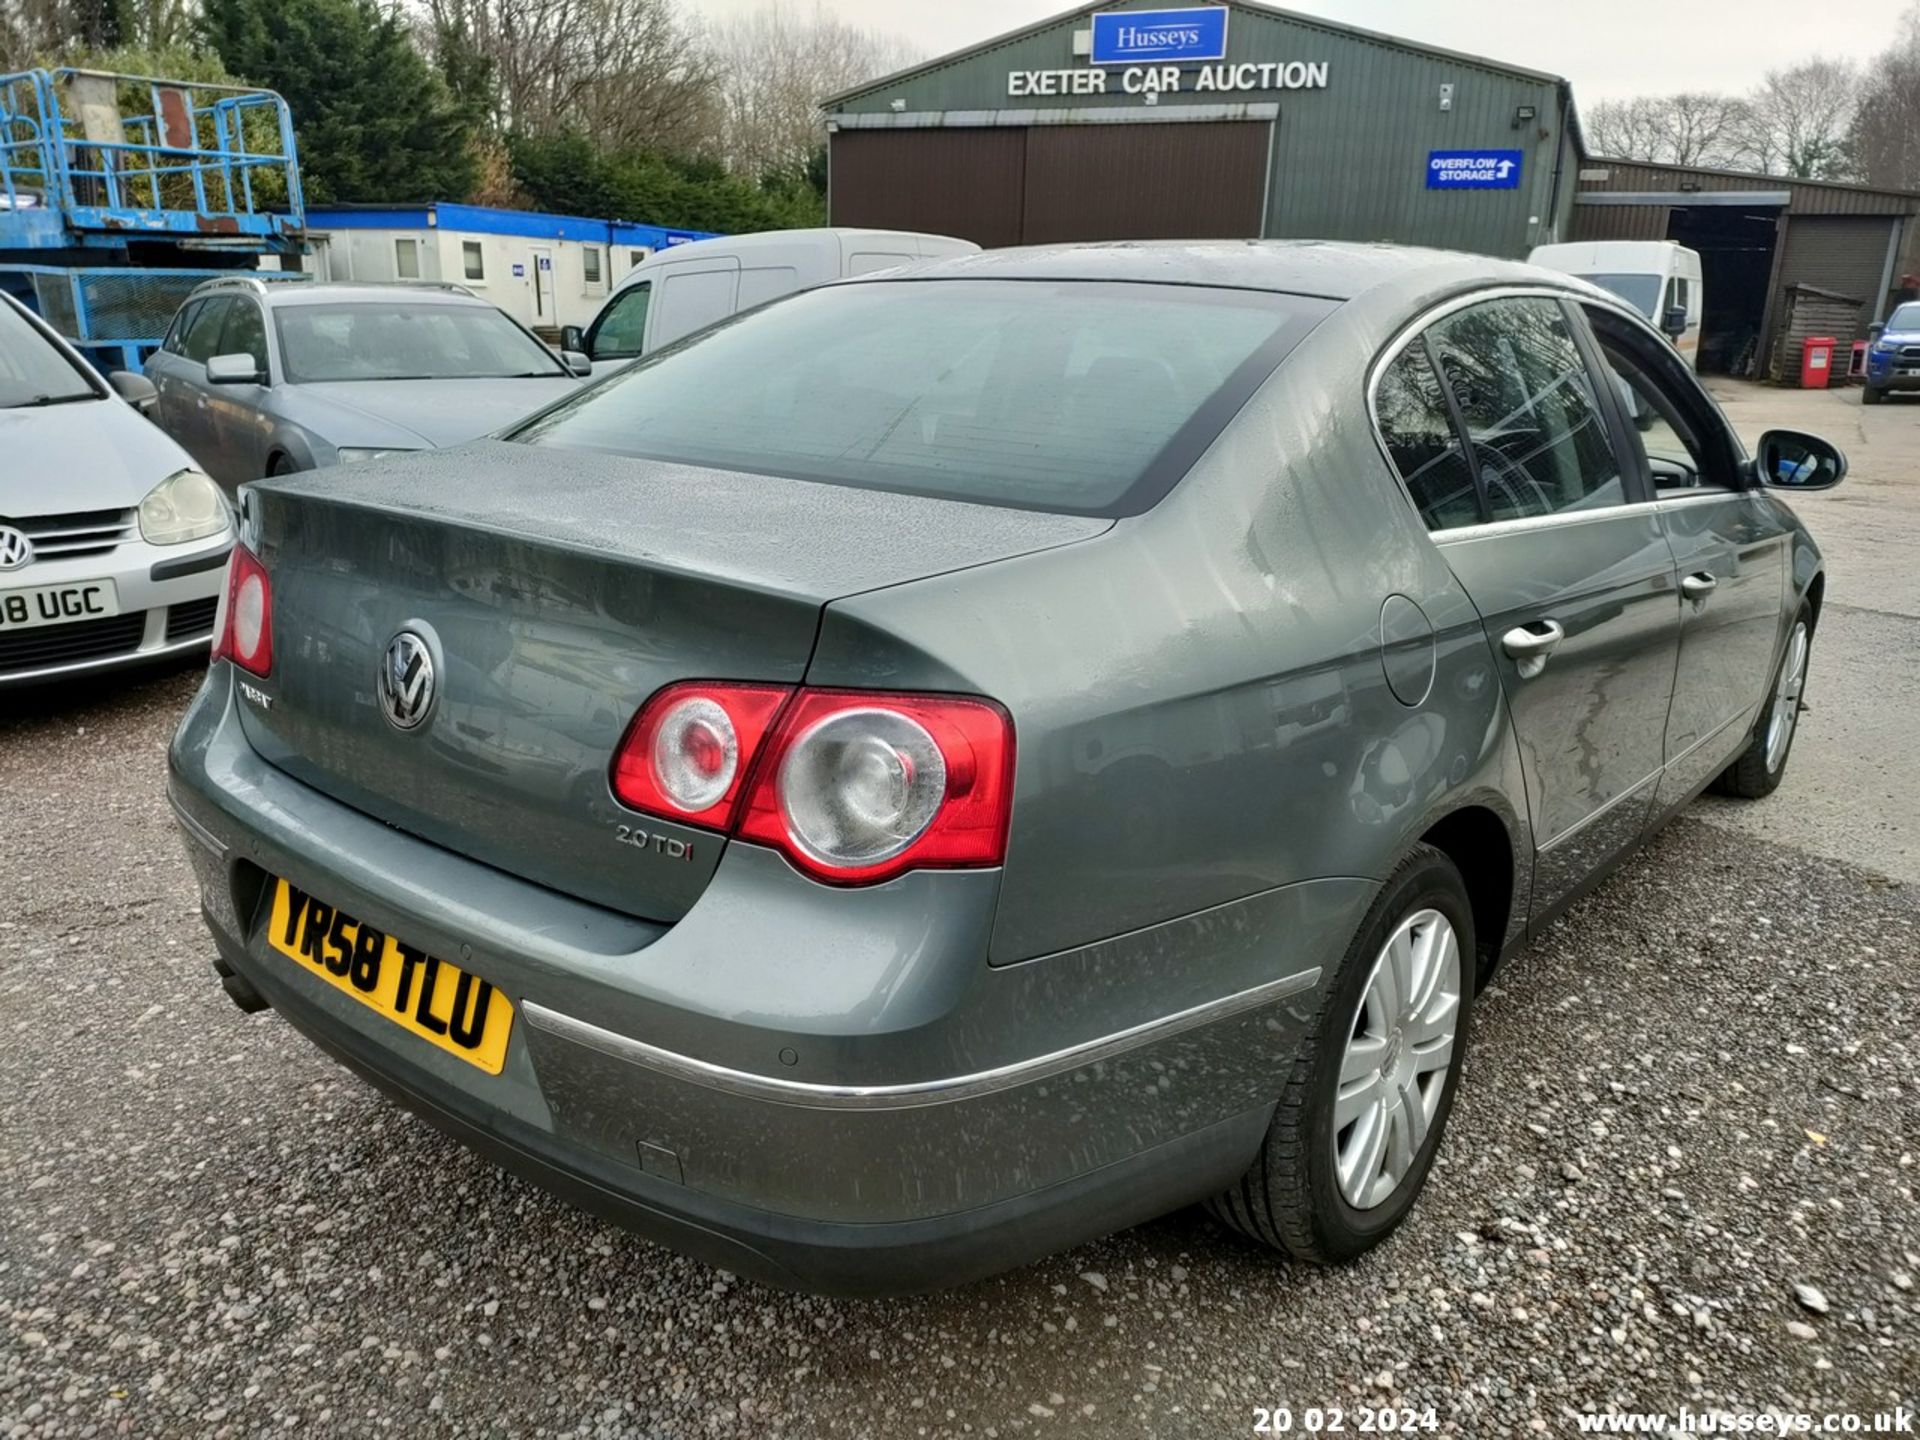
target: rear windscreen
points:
(1076, 397)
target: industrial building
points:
(1760, 238)
(1131, 121)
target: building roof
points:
(1258, 7)
(1333, 270)
(495, 220)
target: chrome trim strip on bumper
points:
(926, 1092)
(195, 831)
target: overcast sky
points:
(1610, 49)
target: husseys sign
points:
(1134, 37)
(1165, 51)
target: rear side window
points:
(1538, 437)
(1076, 397)
(1425, 447)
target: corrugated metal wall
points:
(1350, 160)
(1620, 222)
(1808, 197)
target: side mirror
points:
(576, 363)
(1674, 322)
(572, 337)
(1876, 330)
(1793, 460)
(136, 390)
(232, 370)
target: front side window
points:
(245, 334)
(1537, 434)
(621, 333)
(473, 257)
(406, 259)
(206, 330)
(1674, 423)
(402, 341)
(32, 371)
(1074, 397)
(175, 343)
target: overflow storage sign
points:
(1474, 169)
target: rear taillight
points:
(687, 753)
(243, 620)
(852, 786)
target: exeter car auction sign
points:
(1474, 169)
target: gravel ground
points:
(1698, 1092)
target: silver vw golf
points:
(950, 764)
(112, 545)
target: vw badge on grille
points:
(16, 550)
(406, 681)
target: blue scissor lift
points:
(120, 193)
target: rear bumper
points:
(821, 1090)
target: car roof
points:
(1335, 270)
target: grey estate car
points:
(258, 379)
(947, 765)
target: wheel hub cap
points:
(1786, 698)
(1399, 1049)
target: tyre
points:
(281, 466)
(1763, 763)
(1870, 396)
(1355, 1132)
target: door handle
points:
(1698, 586)
(1532, 643)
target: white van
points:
(1657, 277)
(677, 291)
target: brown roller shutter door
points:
(1197, 180)
(967, 183)
(1012, 186)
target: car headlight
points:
(348, 456)
(184, 506)
(1883, 347)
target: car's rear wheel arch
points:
(1476, 839)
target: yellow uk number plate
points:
(460, 1013)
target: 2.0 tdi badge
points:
(406, 681)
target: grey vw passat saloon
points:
(947, 765)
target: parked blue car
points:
(1893, 359)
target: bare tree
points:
(624, 72)
(1884, 143)
(776, 64)
(1689, 128)
(1797, 121)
